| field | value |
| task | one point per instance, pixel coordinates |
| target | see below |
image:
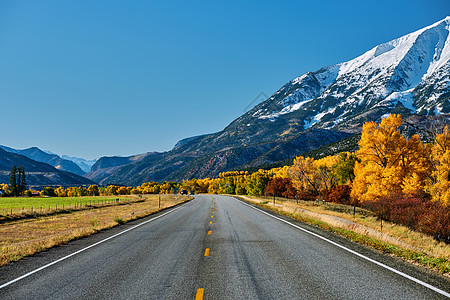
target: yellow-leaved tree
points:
(281, 172)
(314, 176)
(438, 184)
(389, 162)
(324, 171)
(303, 174)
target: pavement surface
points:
(216, 247)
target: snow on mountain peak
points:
(399, 72)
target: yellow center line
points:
(207, 252)
(209, 232)
(199, 295)
(212, 216)
(210, 222)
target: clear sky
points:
(96, 78)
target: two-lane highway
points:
(216, 247)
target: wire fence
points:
(26, 211)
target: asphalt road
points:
(216, 247)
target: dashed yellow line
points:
(200, 293)
(207, 252)
(209, 232)
(212, 216)
(210, 222)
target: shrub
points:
(407, 211)
(307, 195)
(119, 221)
(435, 221)
(418, 212)
(280, 187)
(48, 191)
(339, 194)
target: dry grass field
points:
(26, 236)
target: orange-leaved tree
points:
(389, 163)
(304, 176)
(438, 184)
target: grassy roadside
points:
(363, 228)
(25, 237)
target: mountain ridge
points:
(38, 174)
(409, 74)
(52, 159)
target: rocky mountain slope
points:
(106, 166)
(409, 75)
(52, 159)
(38, 174)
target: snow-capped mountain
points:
(84, 164)
(406, 75)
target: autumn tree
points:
(438, 183)
(389, 162)
(48, 192)
(111, 190)
(61, 192)
(123, 190)
(343, 170)
(282, 172)
(190, 185)
(93, 190)
(203, 185)
(303, 174)
(240, 186)
(280, 187)
(227, 185)
(151, 187)
(256, 183)
(4, 188)
(166, 188)
(326, 177)
(214, 186)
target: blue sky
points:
(96, 78)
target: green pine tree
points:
(22, 183)
(13, 181)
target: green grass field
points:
(26, 204)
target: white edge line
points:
(84, 249)
(356, 253)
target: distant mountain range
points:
(48, 158)
(38, 174)
(409, 75)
